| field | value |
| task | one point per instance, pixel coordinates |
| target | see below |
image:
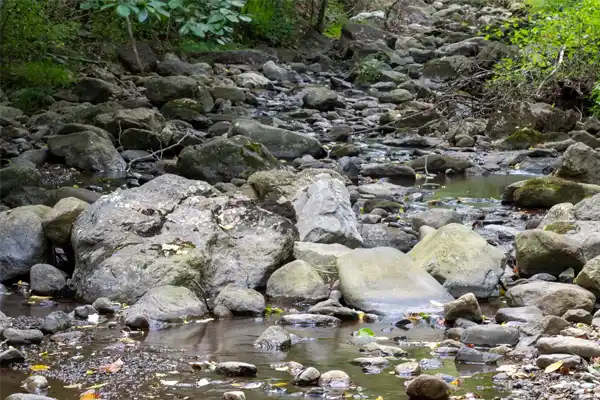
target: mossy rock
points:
(390, 206)
(522, 139)
(561, 227)
(547, 191)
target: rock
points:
(220, 160)
(428, 387)
(578, 316)
(161, 89)
(324, 214)
(550, 297)
(407, 369)
(568, 345)
(371, 362)
(437, 163)
(274, 338)
(322, 256)
(308, 376)
(87, 151)
(11, 356)
(10, 113)
(58, 222)
(334, 379)
(167, 304)
(95, 90)
(136, 118)
(18, 337)
(21, 396)
(322, 99)
(384, 280)
(435, 218)
(588, 209)
(252, 80)
(274, 72)
(22, 241)
(469, 355)
(146, 55)
(461, 260)
(466, 306)
(189, 110)
(543, 251)
(295, 281)
(46, 280)
(578, 162)
(490, 335)
(234, 368)
(589, 277)
(35, 384)
(173, 67)
(309, 320)
(568, 360)
(547, 325)
(105, 306)
(562, 212)
(379, 350)
(56, 321)
(83, 312)
(447, 68)
(127, 242)
(234, 396)
(241, 301)
(518, 314)
(281, 143)
(17, 176)
(379, 235)
(546, 192)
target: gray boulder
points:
(171, 231)
(297, 280)
(588, 209)
(220, 160)
(275, 72)
(56, 321)
(461, 260)
(252, 80)
(518, 314)
(139, 118)
(11, 356)
(385, 280)
(322, 99)
(490, 335)
(58, 222)
(87, 151)
(17, 176)
(22, 241)
(308, 376)
(578, 164)
(428, 387)
(380, 235)
(18, 337)
(568, 360)
(281, 143)
(568, 345)
(234, 368)
(190, 110)
(95, 90)
(160, 89)
(167, 304)
(551, 297)
(387, 170)
(309, 320)
(589, 277)
(323, 256)
(466, 306)
(27, 396)
(46, 280)
(396, 96)
(469, 355)
(173, 66)
(547, 191)
(274, 338)
(241, 301)
(436, 218)
(437, 163)
(324, 214)
(335, 379)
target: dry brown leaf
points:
(112, 368)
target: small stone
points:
(466, 306)
(334, 379)
(85, 311)
(309, 320)
(46, 280)
(56, 321)
(274, 338)
(10, 356)
(378, 362)
(241, 301)
(490, 335)
(137, 321)
(472, 356)
(408, 369)
(309, 376)
(381, 350)
(35, 384)
(235, 368)
(567, 276)
(428, 387)
(222, 312)
(234, 396)
(17, 337)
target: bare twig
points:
(561, 56)
(157, 152)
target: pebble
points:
(235, 368)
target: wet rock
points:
(380, 350)
(371, 362)
(167, 304)
(410, 368)
(58, 222)
(46, 280)
(11, 356)
(578, 316)
(222, 312)
(137, 322)
(469, 355)
(16, 176)
(161, 89)
(569, 361)
(87, 151)
(324, 214)
(588, 209)
(35, 384)
(220, 160)
(466, 306)
(18, 337)
(578, 162)
(333, 307)
(105, 306)
(234, 396)
(168, 232)
(589, 277)
(383, 190)
(309, 320)
(380, 235)
(334, 379)
(83, 312)
(322, 99)
(568, 345)
(436, 218)
(550, 297)
(56, 321)
(252, 80)
(274, 338)
(235, 368)
(297, 280)
(241, 301)
(388, 170)
(461, 260)
(173, 66)
(308, 376)
(22, 241)
(428, 387)
(546, 192)
(490, 335)
(518, 314)
(69, 338)
(547, 325)
(383, 279)
(438, 163)
(543, 251)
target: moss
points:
(523, 139)
(561, 227)
(390, 206)
(547, 192)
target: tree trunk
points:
(320, 25)
(133, 44)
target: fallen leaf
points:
(436, 303)
(553, 367)
(279, 384)
(112, 368)
(455, 382)
(39, 367)
(169, 383)
(73, 386)
(90, 372)
(40, 297)
(91, 395)
(97, 386)
(379, 398)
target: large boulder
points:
(46, 280)
(86, 150)
(145, 56)
(428, 387)
(546, 192)
(568, 345)
(281, 142)
(551, 297)
(22, 241)
(17, 176)
(543, 251)
(490, 335)
(220, 159)
(589, 277)
(580, 163)
(161, 89)
(170, 231)
(588, 209)
(240, 300)
(461, 260)
(295, 281)
(322, 256)
(252, 80)
(173, 66)
(438, 163)
(190, 110)
(96, 90)
(167, 304)
(447, 68)
(140, 118)
(385, 280)
(324, 214)
(59, 221)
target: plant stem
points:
(133, 44)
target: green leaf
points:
(143, 15)
(123, 11)
(366, 332)
(245, 18)
(107, 6)
(237, 3)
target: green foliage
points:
(270, 310)
(274, 21)
(365, 332)
(369, 69)
(32, 99)
(336, 17)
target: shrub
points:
(274, 21)
(369, 69)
